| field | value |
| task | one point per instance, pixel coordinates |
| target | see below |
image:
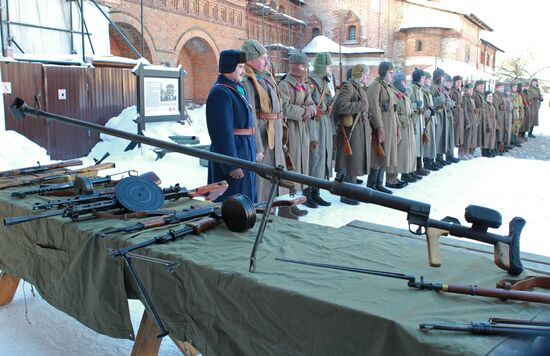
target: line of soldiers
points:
(380, 128)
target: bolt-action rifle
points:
(52, 176)
(57, 187)
(40, 168)
(412, 282)
(495, 326)
(507, 253)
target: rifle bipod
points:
(275, 180)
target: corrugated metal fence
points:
(91, 94)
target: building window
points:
(482, 57)
(418, 46)
(467, 53)
(488, 59)
(351, 33)
(315, 32)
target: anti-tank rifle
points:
(40, 168)
(507, 253)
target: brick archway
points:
(129, 27)
(198, 54)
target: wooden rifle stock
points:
(378, 149)
(288, 158)
(346, 147)
(425, 138)
(209, 192)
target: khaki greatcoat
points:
(296, 97)
(417, 102)
(320, 129)
(383, 108)
(458, 116)
(406, 148)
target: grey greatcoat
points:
(272, 157)
(383, 108)
(470, 122)
(478, 100)
(296, 97)
(500, 109)
(430, 119)
(352, 100)
(406, 148)
(536, 96)
(490, 128)
(441, 128)
(417, 103)
(320, 129)
(508, 120)
(458, 116)
(449, 127)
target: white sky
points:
(519, 28)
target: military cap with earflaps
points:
(298, 58)
(486, 93)
(468, 86)
(478, 82)
(383, 69)
(253, 49)
(438, 75)
(229, 59)
(498, 84)
(322, 60)
(358, 70)
(456, 78)
(417, 74)
(398, 81)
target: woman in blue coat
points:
(229, 121)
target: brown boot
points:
(286, 212)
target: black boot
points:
(439, 160)
(450, 157)
(297, 211)
(531, 133)
(286, 212)
(380, 182)
(310, 203)
(415, 176)
(419, 170)
(316, 196)
(371, 179)
(346, 200)
(409, 178)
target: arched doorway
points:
(200, 61)
(119, 47)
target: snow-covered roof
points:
(428, 14)
(272, 14)
(324, 44)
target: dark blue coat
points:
(226, 109)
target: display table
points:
(282, 309)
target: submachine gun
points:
(507, 253)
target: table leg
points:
(147, 342)
(8, 286)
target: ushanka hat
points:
(383, 69)
(322, 60)
(417, 74)
(358, 70)
(398, 79)
(229, 59)
(438, 75)
(298, 58)
(456, 78)
(253, 49)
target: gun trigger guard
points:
(418, 230)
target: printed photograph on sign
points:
(161, 96)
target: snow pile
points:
(17, 151)
(324, 44)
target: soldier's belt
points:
(322, 114)
(269, 116)
(243, 132)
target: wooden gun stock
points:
(346, 147)
(203, 224)
(425, 138)
(288, 158)
(209, 192)
(432, 238)
(378, 149)
(281, 201)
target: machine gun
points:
(412, 282)
(61, 186)
(40, 168)
(241, 218)
(418, 213)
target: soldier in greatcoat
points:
(450, 128)
(231, 126)
(265, 98)
(383, 108)
(414, 91)
(350, 111)
(470, 121)
(527, 108)
(298, 108)
(429, 147)
(406, 148)
(439, 100)
(490, 127)
(458, 114)
(517, 114)
(500, 107)
(479, 89)
(320, 128)
(537, 99)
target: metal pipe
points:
(71, 26)
(142, 36)
(118, 30)
(43, 27)
(82, 30)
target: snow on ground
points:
(512, 186)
